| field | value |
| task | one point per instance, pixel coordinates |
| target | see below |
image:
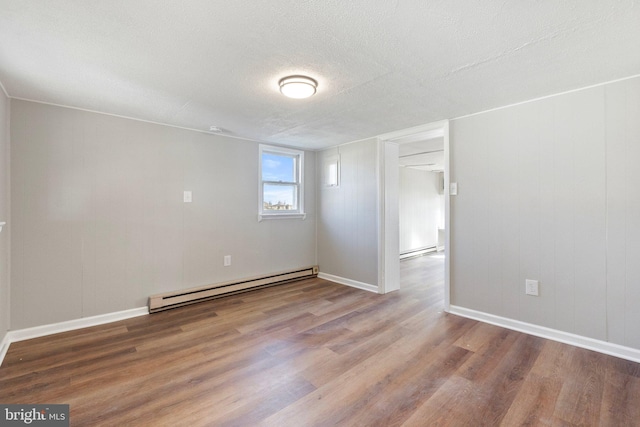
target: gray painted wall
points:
(348, 215)
(421, 209)
(99, 222)
(4, 214)
(548, 190)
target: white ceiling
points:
(381, 65)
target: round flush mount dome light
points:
(298, 86)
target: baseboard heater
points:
(175, 299)
(418, 252)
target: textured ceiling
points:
(381, 65)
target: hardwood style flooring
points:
(314, 353)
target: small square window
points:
(331, 171)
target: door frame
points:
(388, 191)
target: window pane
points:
(280, 197)
(332, 175)
(278, 168)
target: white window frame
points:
(299, 213)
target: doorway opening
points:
(417, 198)
(421, 197)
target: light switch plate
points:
(453, 188)
(188, 197)
(531, 287)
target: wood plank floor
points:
(314, 353)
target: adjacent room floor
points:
(314, 353)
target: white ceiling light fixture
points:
(297, 87)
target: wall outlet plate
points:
(227, 260)
(187, 197)
(531, 287)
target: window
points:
(281, 186)
(331, 171)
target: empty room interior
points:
(320, 213)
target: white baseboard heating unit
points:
(190, 296)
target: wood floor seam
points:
(317, 353)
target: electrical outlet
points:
(187, 197)
(227, 260)
(531, 287)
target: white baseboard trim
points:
(349, 282)
(4, 347)
(604, 347)
(69, 325)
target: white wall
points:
(4, 215)
(98, 218)
(421, 210)
(348, 215)
(549, 190)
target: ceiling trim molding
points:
(416, 133)
(142, 120)
(342, 144)
(547, 96)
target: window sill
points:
(282, 216)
